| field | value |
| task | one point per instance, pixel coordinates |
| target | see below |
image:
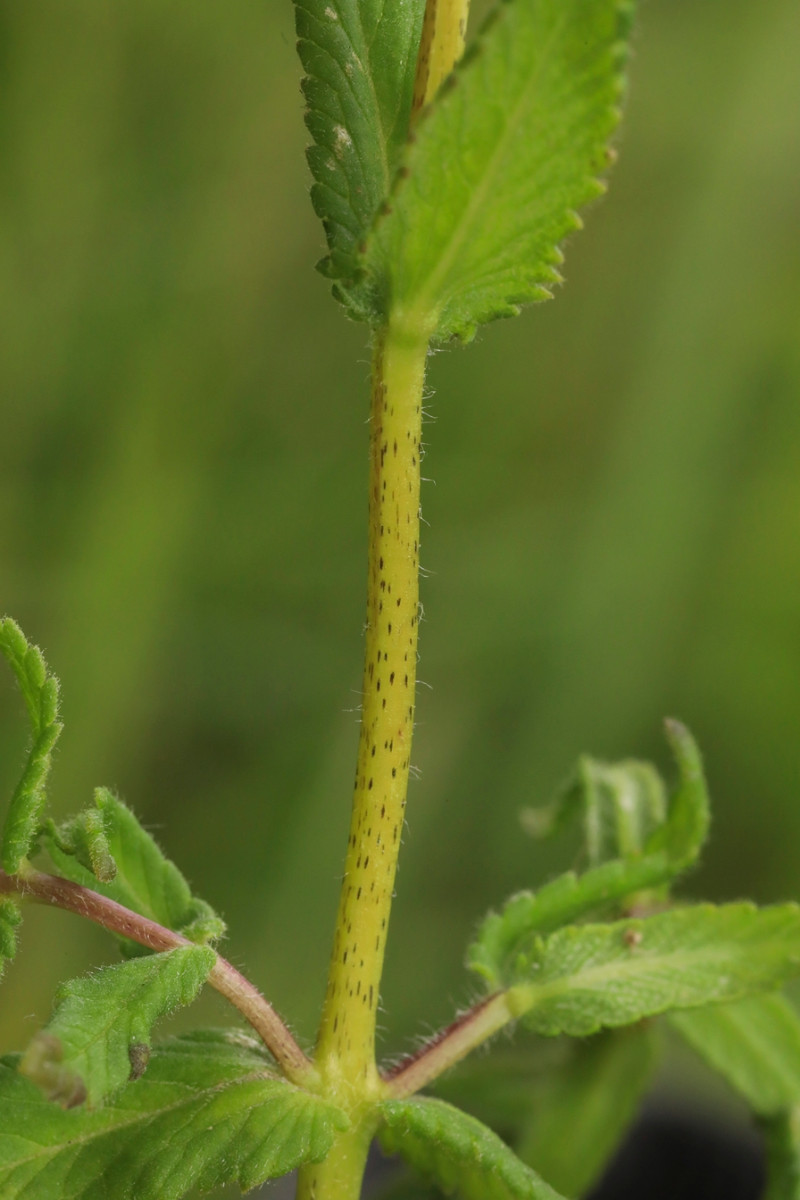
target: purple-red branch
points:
(62, 893)
(441, 1035)
(441, 1052)
(449, 1046)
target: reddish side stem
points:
(448, 1046)
(51, 889)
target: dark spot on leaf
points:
(139, 1055)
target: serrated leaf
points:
(561, 1103)
(84, 836)
(782, 1144)
(509, 936)
(207, 1112)
(359, 57)
(498, 166)
(580, 1112)
(10, 918)
(498, 1087)
(457, 1152)
(619, 804)
(40, 691)
(584, 978)
(504, 937)
(685, 832)
(100, 1032)
(137, 873)
(28, 665)
(754, 1044)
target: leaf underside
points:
(542, 1086)
(206, 1113)
(584, 978)
(143, 878)
(593, 1094)
(359, 57)
(782, 1144)
(512, 146)
(100, 1032)
(457, 1152)
(754, 1044)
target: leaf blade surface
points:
(593, 1096)
(458, 1152)
(142, 878)
(584, 978)
(754, 1044)
(207, 1112)
(40, 691)
(10, 918)
(359, 57)
(670, 850)
(498, 166)
(782, 1144)
(101, 1029)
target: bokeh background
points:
(614, 529)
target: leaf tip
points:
(42, 1063)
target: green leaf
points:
(585, 978)
(620, 805)
(683, 835)
(782, 1144)
(498, 1087)
(562, 1103)
(498, 166)
(580, 1112)
(100, 1032)
(207, 1112)
(360, 58)
(130, 868)
(754, 1044)
(504, 937)
(10, 918)
(457, 1152)
(40, 691)
(85, 837)
(543, 1087)
(511, 935)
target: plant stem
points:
(444, 30)
(449, 1046)
(62, 893)
(346, 1044)
(339, 1176)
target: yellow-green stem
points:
(444, 30)
(346, 1045)
(339, 1176)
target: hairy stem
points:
(346, 1045)
(449, 1046)
(62, 893)
(345, 1052)
(339, 1176)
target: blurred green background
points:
(614, 532)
